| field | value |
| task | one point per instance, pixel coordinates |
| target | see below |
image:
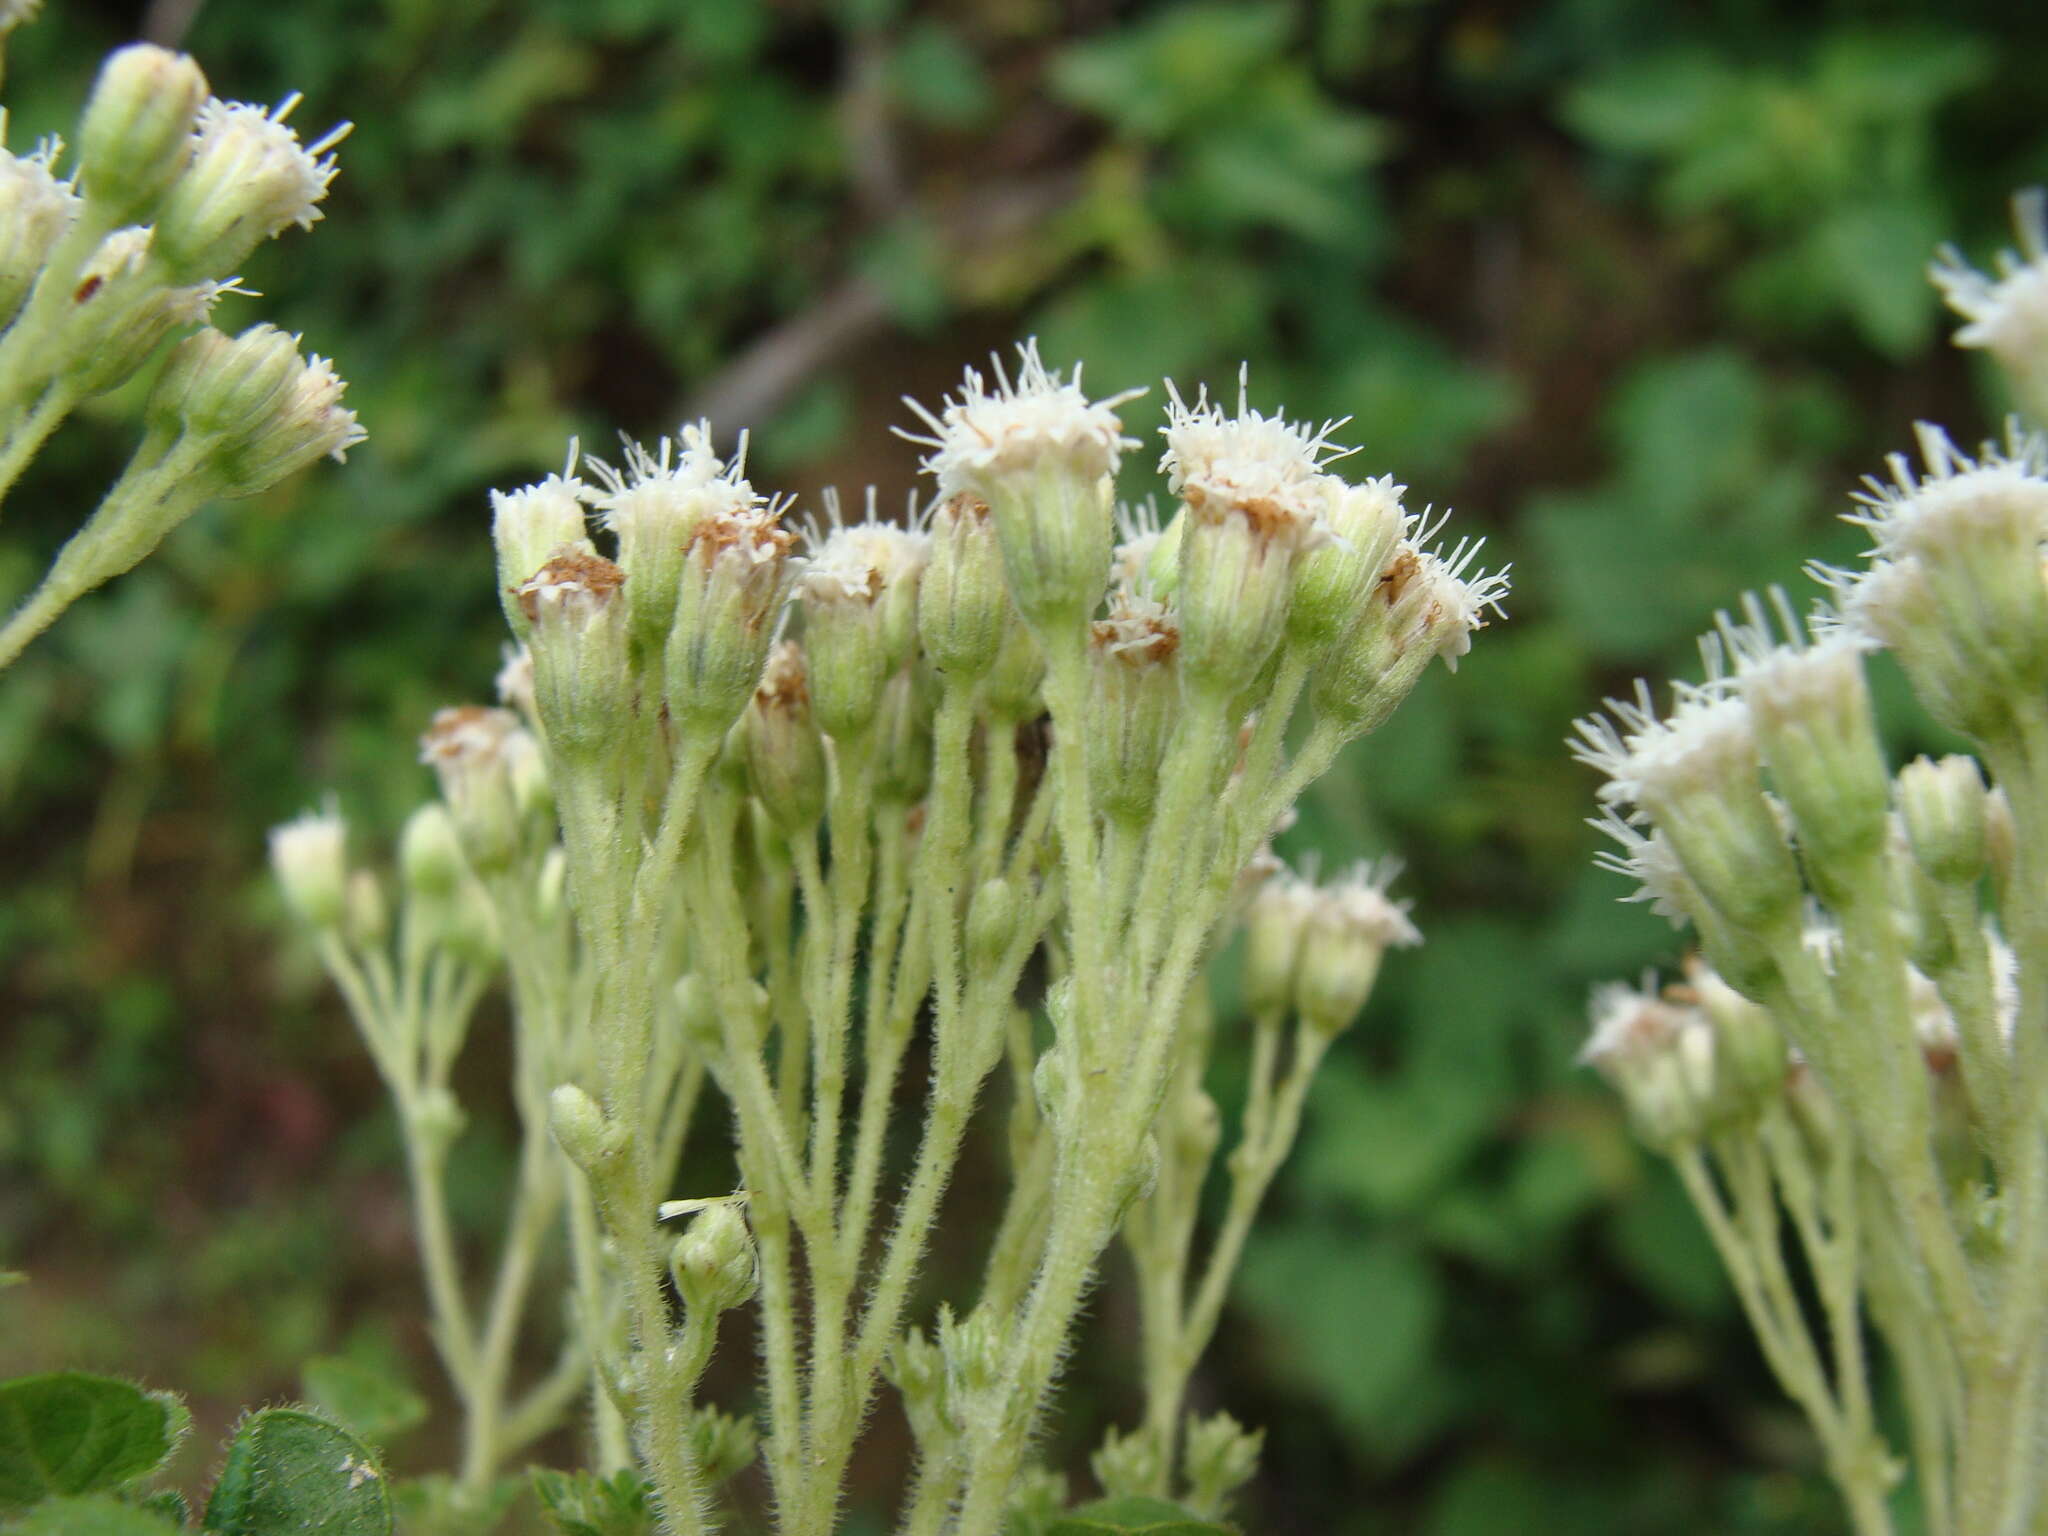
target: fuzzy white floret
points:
(1021, 422)
(2006, 312)
(257, 142)
(1358, 900)
(1265, 466)
(1924, 514)
(1644, 754)
(1630, 1023)
(1462, 596)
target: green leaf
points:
(96, 1514)
(292, 1473)
(1130, 1515)
(70, 1433)
(584, 1504)
(362, 1398)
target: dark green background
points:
(1636, 287)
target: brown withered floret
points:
(466, 730)
(1404, 568)
(785, 683)
(569, 570)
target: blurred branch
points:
(777, 364)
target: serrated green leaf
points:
(292, 1473)
(362, 1398)
(70, 1433)
(1133, 1515)
(94, 1514)
(584, 1504)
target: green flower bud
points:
(249, 179)
(36, 209)
(583, 680)
(975, 1351)
(120, 311)
(1135, 701)
(1750, 1054)
(713, 1262)
(136, 136)
(429, 854)
(1196, 1125)
(465, 924)
(858, 591)
(1275, 922)
(1350, 928)
(214, 385)
(583, 1131)
(530, 527)
(309, 857)
(438, 1120)
(963, 607)
(1943, 807)
(1042, 457)
(783, 754)
(736, 575)
(1809, 707)
(917, 1369)
(1335, 581)
(993, 916)
(903, 737)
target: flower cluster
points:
(824, 787)
(103, 264)
(1859, 1041)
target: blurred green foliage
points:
(1639, 288)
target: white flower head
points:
(1648, 757)
(858, 562)
(664, 493)
(983, 433)
(1140, 532)
(255, 143)
(1265, 468)
(1459, 597)
(1631, 1024)
(1137, 629)
(2007, 312)
(1649, 860)
(310, 858)
(35, 206)
(2004, 489)
(1357, 902)
(1808, 673)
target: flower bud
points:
(993, 916)
(438, 1119)
(1943, 807)
(1256, 504)
(1042, 457)
(120, 311)
(1659, 1055)
(653, 506)
(213, 386)
(429, 855)
(249, 179)
(583, 1131)
(309, 857)
(2008, 314)
(1334, 582)
(1134, 702)
(784, 756)
(1973, 528)
(583, 680)
(917, 1370)
(529, 527)
(1809, 706)
(963, 607)
(1350, 927)
(736, 575)
(35, 211)
(975, 1351)
(713, 1262)
(1275, 921)
(136, 136)
(1750, 1054)
(472, 750)
(697, 1013)
(306, 422)
(858, 591)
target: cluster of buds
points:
(105, 261)
(1861, 1038)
